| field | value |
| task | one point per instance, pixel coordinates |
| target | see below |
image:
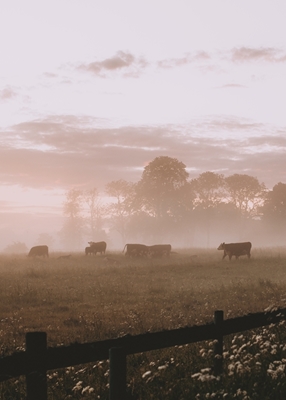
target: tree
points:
(209, 193)
(45, 238)
(164, 193)
(95, 214)
(16, 248)
(160, 186)
(71, 232)
(121, 209)
(274, 209)
(209, 189)
(246, 193)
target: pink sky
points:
(91, 92)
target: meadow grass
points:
(87, 298)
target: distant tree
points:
(209, 190)
(121, 209)
(161, 185)
(164, 193)
(71, 233)
(246, 193)
(45, 238)
(16, 248)
(95, 211)
(209, 193)
(274, 208)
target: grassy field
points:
(91, 298)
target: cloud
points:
(129, 65)
(200, 56)
(121, 61)
(66, 151)
(248, 54)
(233, 86)
(7, 93)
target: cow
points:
(39, 251)
(97, 247)
(235, 249)
(159, 250)
(89, 250)
(136, 250)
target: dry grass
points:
(90, 298)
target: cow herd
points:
(157, 250)
(141, 250)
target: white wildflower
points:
(86, 389)
(147, 373)
(161, 367)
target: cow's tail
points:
(124, 248)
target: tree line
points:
(165, 205)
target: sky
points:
(92, 91)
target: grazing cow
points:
(39, 251)
(89, 250)
(97, 247)
(235, 249)
(136, 250)
(159, 250)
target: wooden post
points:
(218, 347)
(36, 376)
(117, 374)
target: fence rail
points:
(38, 358)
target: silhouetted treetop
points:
(245, 192)
(162, 182)
(209, 189)
(275, 204)
(164, 173)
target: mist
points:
(164, 206)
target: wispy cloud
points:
(249, 54)
(232, 86)
(122, 61)
(7, 93)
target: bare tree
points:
(95, 210)
(121, 209)
(209, 193)
(71, 233)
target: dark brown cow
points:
(39, 251)
(159, 250)
(97, 247)
(235, 249)
(88, 250)
(136, 250)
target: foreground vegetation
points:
(86, 299)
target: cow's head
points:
(221, 246)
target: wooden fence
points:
(38, 358)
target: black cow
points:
(97, 247)
(136, 250)
(39, 251)
(235, 249)
(159, 250)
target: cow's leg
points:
(224, 255)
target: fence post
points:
(218, 347)
(117, 373)
(36, 376)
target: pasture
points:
(89, 298)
